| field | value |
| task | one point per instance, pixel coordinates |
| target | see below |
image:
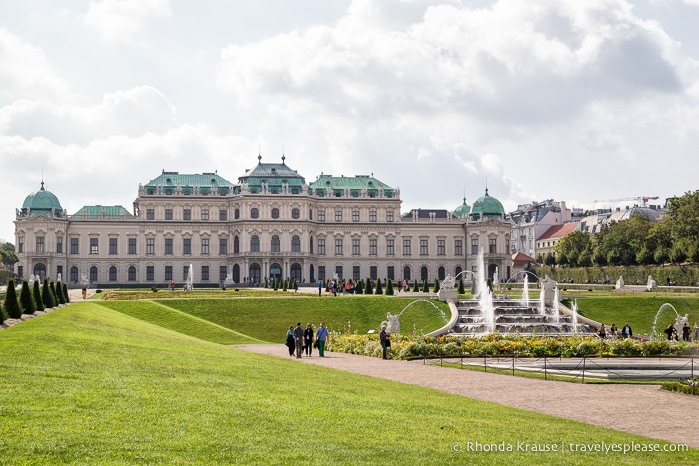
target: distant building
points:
(270, 224)
(594, 221)
(530, 221)
(546, 243)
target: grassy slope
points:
(87, 384)
(269, 318)
(638, 310)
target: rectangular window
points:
(458, 247)
(338, 215)
(474, 246)
(150, 214)
(205, 245)
(423, 247)
(390, 272)
(150, 245)
(132, 245)
(223, 215)
(59, 245)
(406, 247)
(321, 247)
(168, 273)
(132, 274)
(355, 247)
(39, 244)
(150, 273)
(75, 245)
(372, 216)
(372, 247)
(168, 214)
(321, 215)
(441, 247)
(390, 247)
(223, 245)
(205, 214)
(389, 216)
(187, 214)
(338, 246)
(355, 215)
(492, 245)
(20, 246)
(338, 271)
(222, 273)
(205, 272)
(94, 245)
(113, 245)
(373, 272)
(356, 275)
(187, 246)
(321, 272)
(168, 246)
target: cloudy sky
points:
(544, 99)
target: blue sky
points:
(566, 100)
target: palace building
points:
(270, 224)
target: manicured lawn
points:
(86, 384)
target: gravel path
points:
(640, 409)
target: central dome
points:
(462, 211)
(42, 202)
(486, 207)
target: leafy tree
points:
(7, 254)
(389, 287)
(570, 248)
(38, 302)
(379, 288)
(11, 305)
(46, 297)
(26, 299)
(550, 259)
(683, 217)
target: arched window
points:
(275, 271)
(236, 245)
(457, 271)
(441, 273)
(112, 273)
(275, 213)
(254, 213)
(93, 274)
(295, 243)
(295, 214)
(132, 274)
(312, 277)
(236, 273)
(406, 273)
(275, 243)
(255, 244)
(296, 272)
(40, 271)
(236, 214)
(74, 272)
(423, 273)
(311, 244)
(255, 273)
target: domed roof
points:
(42, 202)
(462, 211)
(487, 206)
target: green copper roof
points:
(188, 184)
(103, 211)
(462, 211)
(42, 202)
(355, 185)
(487, 206)
(273, 176)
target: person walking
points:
(308, 339)
(321, 336)
(320, 287)
(626, 331)
(290, 340)
(385, 339)
(298, 338)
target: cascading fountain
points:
(485, 296)
(525, 290)
(574, 308)
(556, 300)
(542, 302)
(679, 320)
(189, 282)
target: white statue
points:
(448, 283)
(392, 325)
(619, 283)
(651, 283)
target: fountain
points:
(574, 308)
(525, 290)
(485, 297)
(679, 321)
(556, 300)
(392, 321)
(189, 280)
(542, 302)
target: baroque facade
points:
(270, 224)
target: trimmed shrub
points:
(54, 296)
(379, 288)
(11, 304)
(416, 288)
(425, 287)
(436, 285)
(38, 302)
(461, 286)
(46, 297)
(369, 289)
(65, 293)
(389, 287)
(26, 300)
(59, 293)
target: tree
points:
(425, 288)
(389, 287)
(571, 247)
(11, 305)
(416, 288)
(2, 315)
(26, 299)
(46, 297)
(7, 254)
(65, 293)
(436, 285)
(461, 286)
(59, 293)
(683, 218)
(54, 297)
(369, 289)
(379, 288)
(38, 302)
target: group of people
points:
(626, 331)
(302, 341)
(671, 332)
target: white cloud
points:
(118, 21)
(26, 72)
